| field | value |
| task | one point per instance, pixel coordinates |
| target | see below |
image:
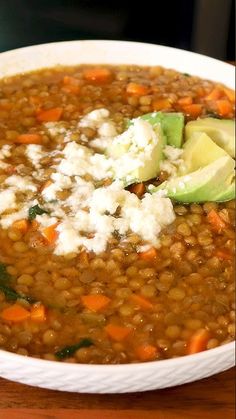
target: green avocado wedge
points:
(172, 124)
(228, 194)
(205, 184)
(221, 131)
(199, 151)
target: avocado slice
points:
(228, 194)
(199, 151)
(205, 184)
(138, 152)
(221, 131)
(172, 124)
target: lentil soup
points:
(94, 268)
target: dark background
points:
(204, 26)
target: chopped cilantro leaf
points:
(36, 210)
(67, 351)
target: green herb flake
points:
(68, 351)
(9, 292)
(12, 295)
(4, 275)
(186, 75)
(36, 210)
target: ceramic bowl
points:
(131, 377)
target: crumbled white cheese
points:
(94, 119)
(107, 129)
(59, 182)
(90, 215)
(139, 141)
(7, 200)
(55, 128)
(173, 161)
(35, 153)
(5, 151)
(100, 219)
(20, 183)
(172, 153)
(7, 220)
(79, 160)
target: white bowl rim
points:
(131, 367)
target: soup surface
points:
(93, 267)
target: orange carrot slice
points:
(50, 115)
(28, 139)
(193, 110)
(230, 93)
(95, 302)
(138, 189)
(50, 233)
(224, 107)
(149, 254)
(141, 302)
(137, 89)
(215, 94)
(160, 104)
(99, 74)
(216, 221)
(38, 313)
(15, 313)
(146, 352)
(117, 333)
(198, 342)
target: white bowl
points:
(129, 377)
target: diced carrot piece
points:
(137, 89)
(28, 139)
(50, 115)
(193, 110)
(224, 107)
(230, 93)
(186, 100)
(146, 352)
(95, 302)
(15, 313)
(71, 85)
(223, 254)
(22, 225)
(141, 302)
(160, 104)
(149, 254)
(50, 233)
(117, 333)
(38, 313)
(138, 189)
(215, 94)
(198, 342)
(216, 221)
(99, 74)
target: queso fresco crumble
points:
(116, 214)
